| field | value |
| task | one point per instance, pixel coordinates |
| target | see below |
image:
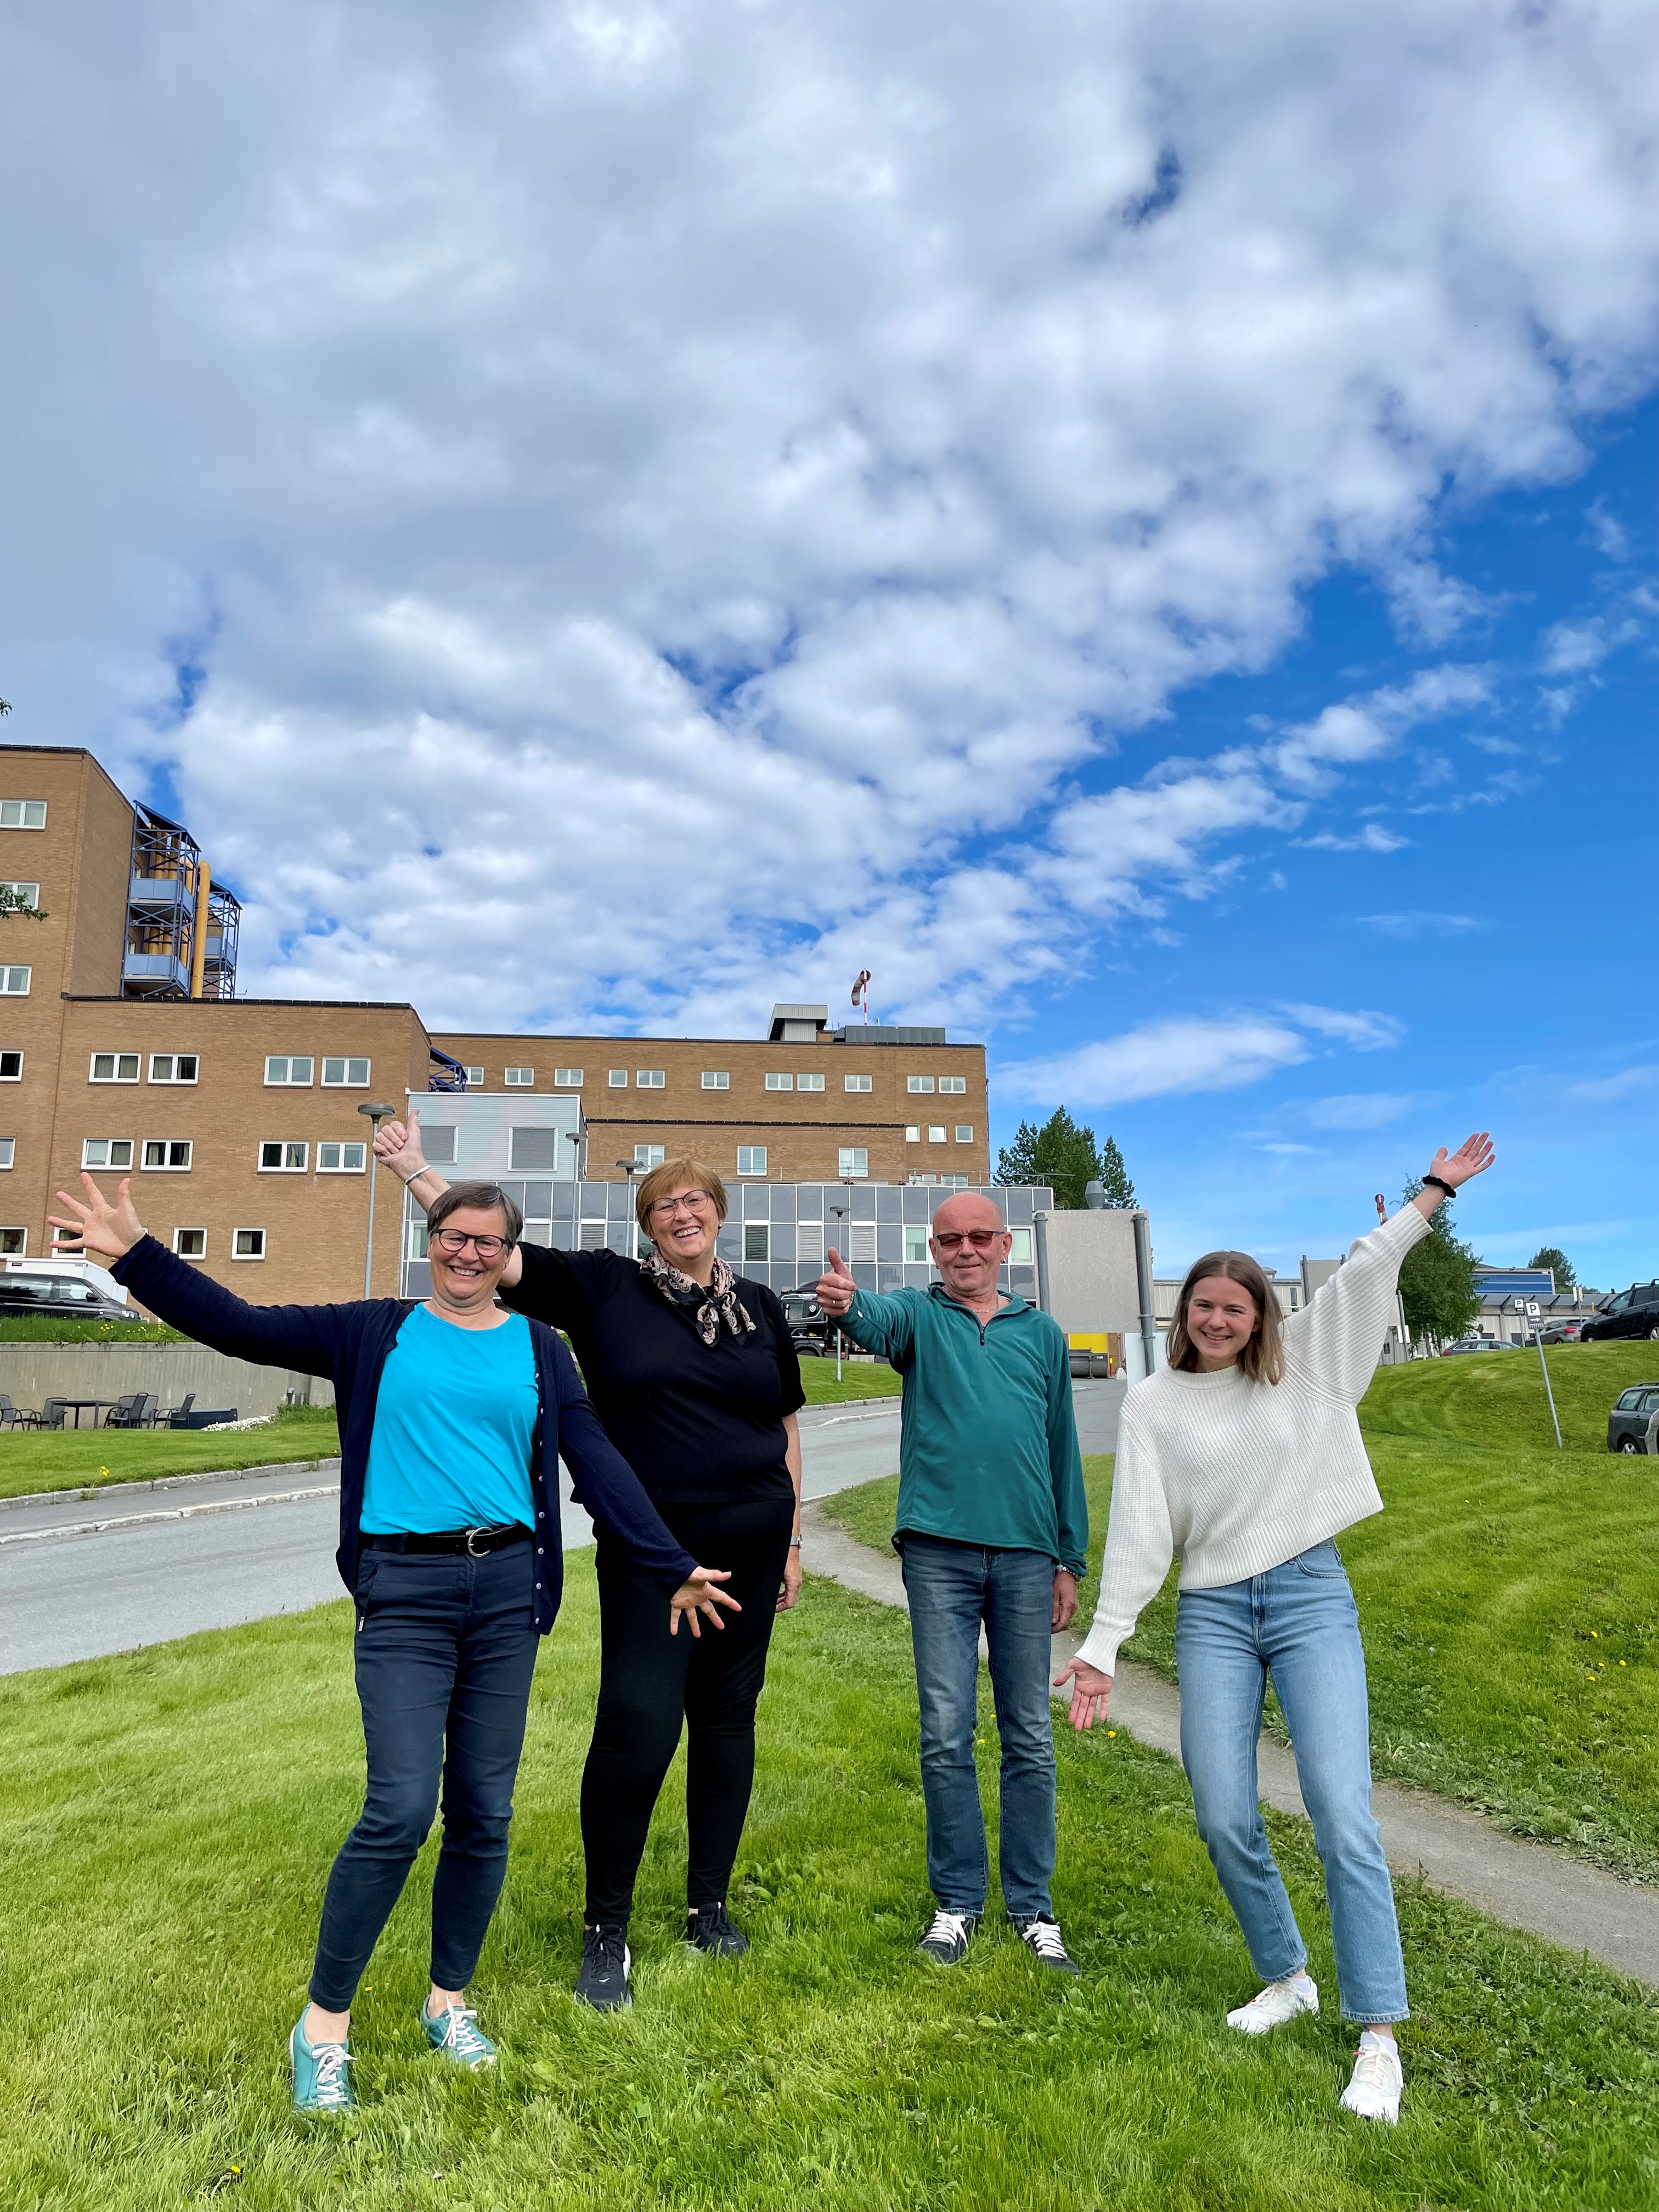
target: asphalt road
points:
(81, 1576)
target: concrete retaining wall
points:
(31, 1373)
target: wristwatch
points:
(794, 1543)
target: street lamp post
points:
(631, 1169)
(376, 1114)
(839, 1211)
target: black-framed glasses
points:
(455, 1242)
(980, 1239)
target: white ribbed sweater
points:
(1236, 1477)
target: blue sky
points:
(1137, 526)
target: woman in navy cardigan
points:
(453, 1414)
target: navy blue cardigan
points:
(350, 1344)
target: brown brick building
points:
(123, 1050)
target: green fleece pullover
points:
(988, 1448)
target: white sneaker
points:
(1375, 2089)
(1272, 2007)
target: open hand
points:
(695, 1595)
(109, 1229)
(398, 1144)
(835, 1288)
(1089, 1690)
(1473, 1157)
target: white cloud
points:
(1159, 1060)
(1373, 838)
(655, 498)
(1419, 924)
(1363, 1032)
(1360, 1110)
(1622, 1086)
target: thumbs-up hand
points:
(835, 1289)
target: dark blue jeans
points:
(952, 1588)
(445, 1648)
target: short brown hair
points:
(487, 1197)
(696, 1175)
(1263, 1357)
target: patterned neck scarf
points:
(717, 1304)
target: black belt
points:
(475, 1542)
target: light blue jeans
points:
(952, 1588)
(1299, 1623)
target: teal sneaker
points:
(455, 2032)
(320, 2072)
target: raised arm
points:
(305, 1338)
(399, 1145)
(1338, 1337)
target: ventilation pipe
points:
(1143, 1289)
(199, 950)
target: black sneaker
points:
(1042, 1939)
(603, 1981)
(709, 1928)
(948, 1936)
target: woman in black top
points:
(693, 1372)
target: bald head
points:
(967, 1209)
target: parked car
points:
(1634, 1312)
(59, 1298)
(811, 1331)
(1563, 1332)
(1475, 1344)
(1627, 1424)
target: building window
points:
(855, 1161)
(281, 1068)
(954, 1086)
(649, 1156)
(14, 981)
(809, 1083)
(567, 1079)
(756, 1241)
(171, 1153)
(809, 1249)
(935, 1133)
(13, 1244)
(190, 1243)
(22, 814)
(716, 1078)
(964, 1133)
(280, 1156)
(106, 1152)
(475, 1075)
(913, 1133)
(914, 1083)
(520, 1078)
(11, 1066)
(861, 1241)
(1019, 1252)
(862, 1084)
(534, 1151)
(617, 1079)
(418, 1240)
(341, 1159)
(247, 1243)
(915, 1242)
(7, 1151)
(651, 1078)
(25, 893)
(438, 1143)
(115, 1068)
(346, 1074)
(173, 1066)
(780, 1082)
(752, 1159)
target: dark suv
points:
(1634, 1312)
(1627, 1424)
(59, 1298)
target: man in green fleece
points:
(993, 1529)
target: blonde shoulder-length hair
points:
(675, 1175)
(1263, 1357)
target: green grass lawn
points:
(166, 1821)
(866, 1380)
(77, 1459)
(1508, 1597)
(32, 1328)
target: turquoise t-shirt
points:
(453, 1428)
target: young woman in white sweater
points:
(1243, 1458)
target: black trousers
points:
(651, 1683)
(445, 1648)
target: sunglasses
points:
(980, 1239)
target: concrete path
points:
(1521, 1885)
(87, 1572)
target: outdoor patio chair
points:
(180, 1417)
(52, 1414)
(127, 1411)
(17, 1417)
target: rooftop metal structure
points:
(182, 928)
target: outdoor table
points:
(75, 1406)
